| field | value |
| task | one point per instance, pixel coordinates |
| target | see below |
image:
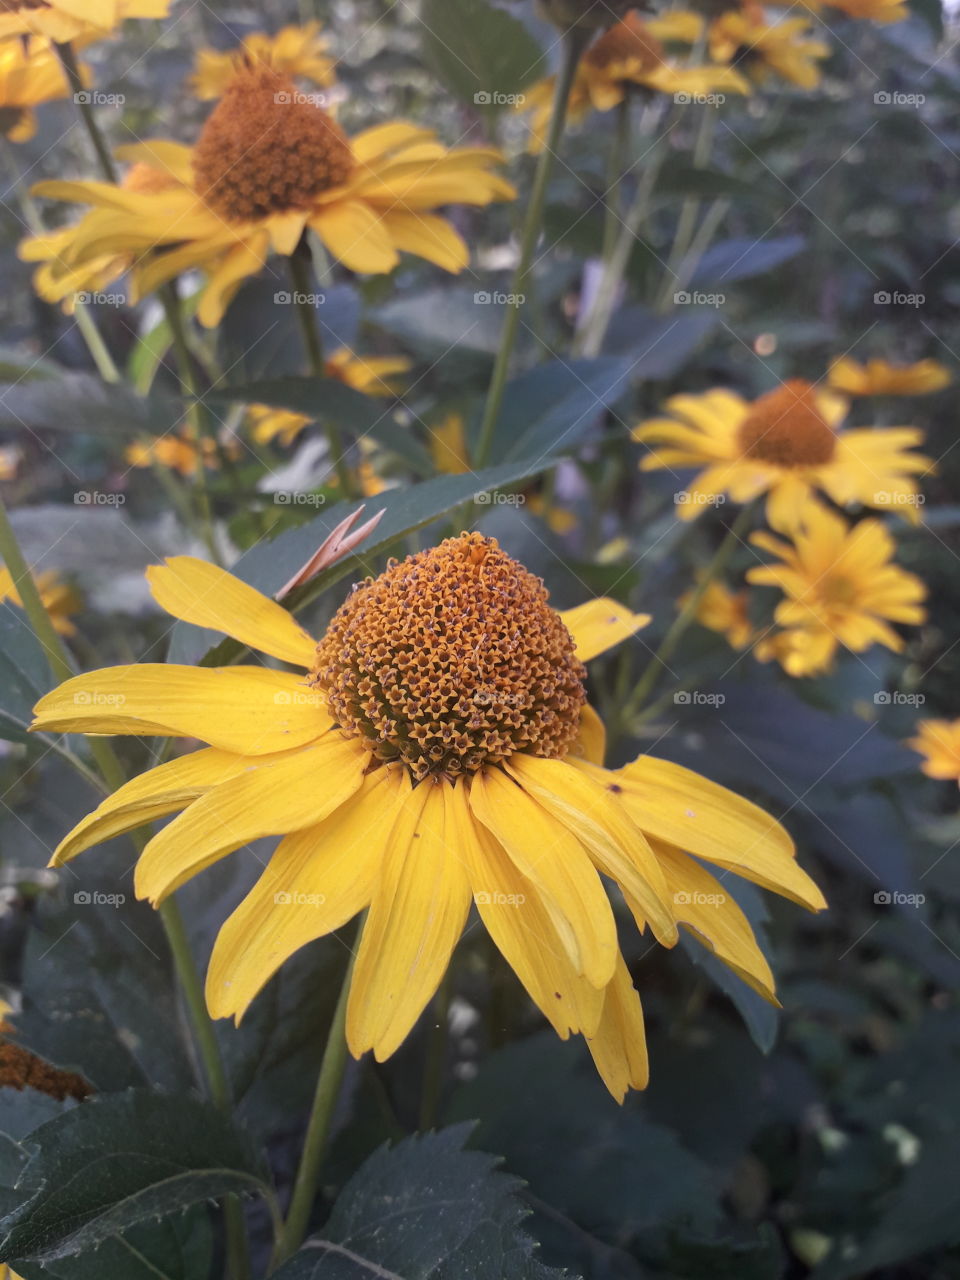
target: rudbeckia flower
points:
(725, 612)
(30, 73)
(840, 587)
(299, 52)
(177, 452)
(628, 57)
(880, 378)
(59, 600)
(434, 750)
(782, 48)
(268, 165)
(786, 444)
(64, 20)
(938, 741)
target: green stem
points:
(690, 209)
(318, 1127)
(436, 1055)
(573, 44)
(68, 61)
(686, 615)
(615, 175)
(300, 278)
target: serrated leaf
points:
(481, 53)
(119, 1160)
(269, 565)
(425, 1209)
(178, 1249)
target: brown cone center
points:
(627, 40)
(786, 428)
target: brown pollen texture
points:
(20, 1069)
(786, 428)
(267, 149)
(451, 660)
(629, 39)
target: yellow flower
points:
(880, 378)
(938, 741)
(177, 452)
(373, 375)
(628, 56)
(30, 73)
(725, 611)
(64, 20)
(877, 10)
(448, 445)
(60, 277)
(59, 600)
(783, 48)
(840, 587)
(299, 52)
(434, 749)
(269, 165)
(785, 444)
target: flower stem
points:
(436, 1054)
(686, 615)
(573, 44)
(68, 61)
(300, 278)
(325, 1096)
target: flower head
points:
(65, 20)
(30, 73)
(725, 612)
(268, 165)
(840, 588)
(60, 600)
(435, 749)
(296, 51)
(783, 48)
(880, 378)
(786, 444)
(627, 57)
(178, 452)
(938, 741)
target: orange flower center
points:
(143, 179)
(266, 148)
(451, 660)
(785, 428)
(628, 40)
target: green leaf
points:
(424, 1210)
(119, 1160)
(79, 402)
(178, 1249)
(269, 565)
(327, 399)
(24, 673)
(742, 257)
(481, 53)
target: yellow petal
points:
(356, 236)
(243, 260)
(619, 1048)
(207, 596)
(510, 907)
(149, 796)
(418, 911)
(584, 805)
(557, 864)
(591, 743)
(316, 881)
(245, 709)
(600, 624)
(679, 806)
(703, 905)
(298, 790)
(429, 237)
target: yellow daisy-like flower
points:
(64, 20)
(938, 741)
(30, 73)
(267, 166)
(449, 447)
(373, 375)
(434, 749)
(59, 600)
(177, 452)
(841, 588)
(725, 612)
(782, 48)
(627, 57)
(300, 52)
(786, 444)
(880, 378)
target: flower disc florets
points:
(451, 660)
(786, 428)
(267, 148)
(628, 41)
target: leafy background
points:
(818, 1141)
